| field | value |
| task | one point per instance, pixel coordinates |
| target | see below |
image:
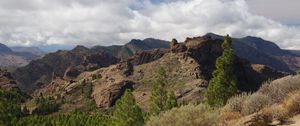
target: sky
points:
(63, 23)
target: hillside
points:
(189, 67)
(61, 63)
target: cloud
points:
(106, 22)
(281, 10)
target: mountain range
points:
(88, 79)
(189, 66)
(18, 56)
(69, 64)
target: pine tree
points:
(127, 112)
(223, 83)
(171, 101)
(158, 93)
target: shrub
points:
(235, 104)
(255, 103)
(276, 112)
(292, 102)
(189, 115)
(280, 88)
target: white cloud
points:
(99, 22)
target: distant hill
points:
(16, 57)
(260, 51)
(4, 49)
(296, 52)
(33, 50)
(129, 49)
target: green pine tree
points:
(223, 83)
(158, 93)
(127, 112)
(171, 101)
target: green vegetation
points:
(45, 105)
(160, 100)
(72, 119)
(96, 76)
(171, 101)
(223, 84)
(127, 112)
(10, 107)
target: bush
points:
(279, 89)
(189, 115)
(255, 103)
(292, 102)
(276, 112)
(235, 104)
(45, 106)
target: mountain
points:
(4, 49)
(259, 51)
(69, 64)
(189, 67)
(295, 52)
(33, 50)
(61, 64)
(17, 57)
(132, 47)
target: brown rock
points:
(177, 47)
(147, 56)
(109, 94)
(6, 81)
(256, 119)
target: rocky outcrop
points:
(6, 81)
(147, 56)
(125, 67)
(176, 47)
(256, 119)
(110, 93)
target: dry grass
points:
(255, 103)
(279, 89)
(235, 104)
(189, 115)
(292, 102)
(278, 100)
(247, 104)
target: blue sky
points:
(101, 22)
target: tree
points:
(223, 83)
(171, 101)
(127, 112)
(158, 93)
(10, 107)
